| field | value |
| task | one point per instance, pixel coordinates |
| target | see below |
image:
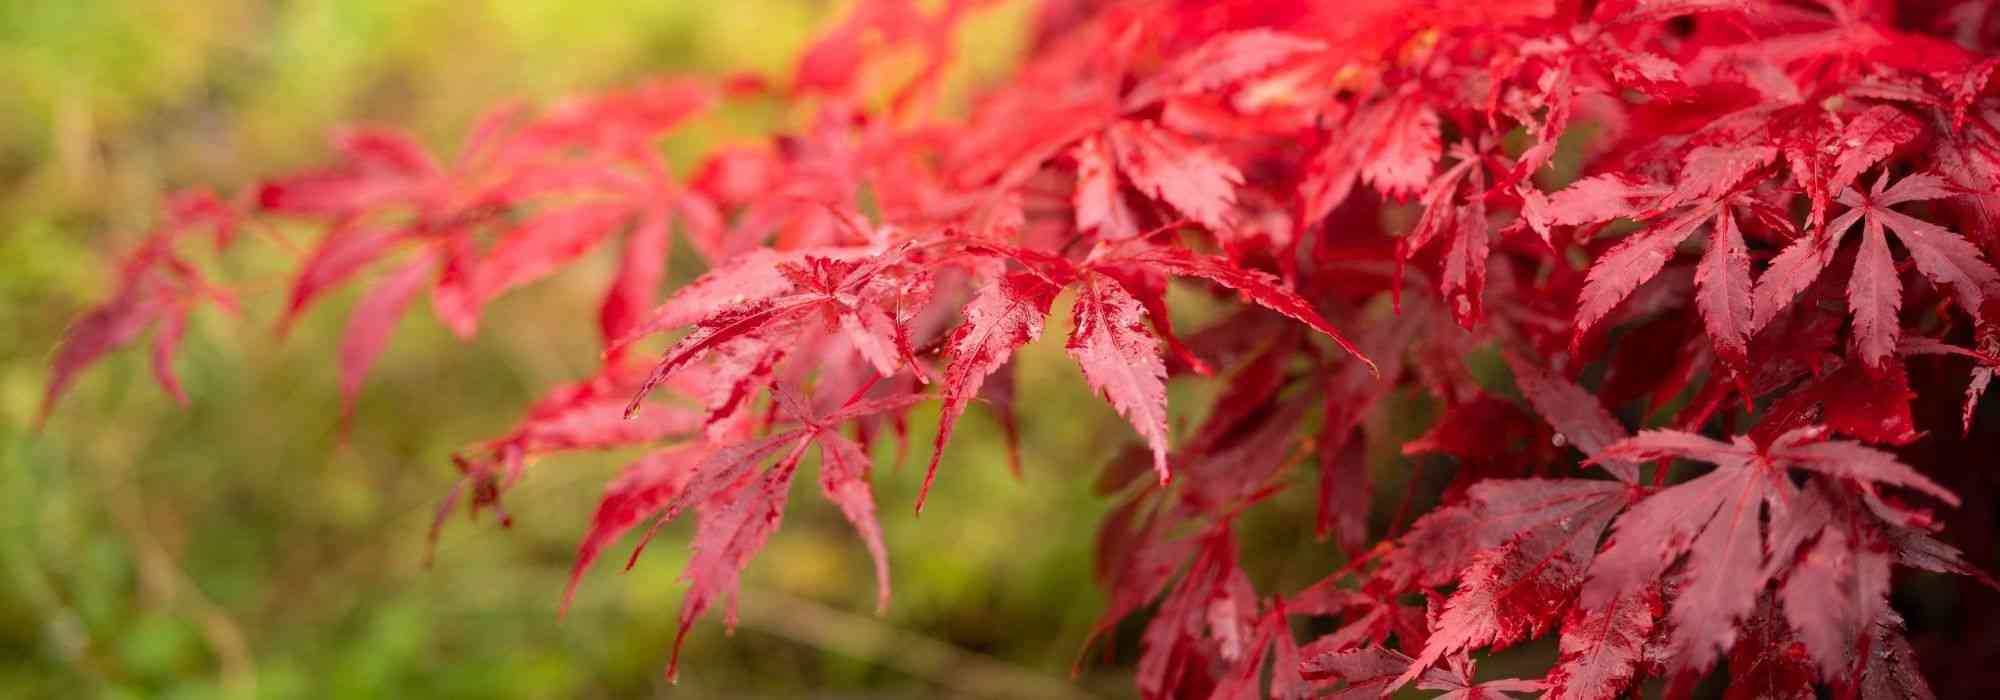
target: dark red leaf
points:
(1722, 292)
(1603, 646)
(1576, 415)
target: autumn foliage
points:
(1737, 257)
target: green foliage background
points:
(239, 548)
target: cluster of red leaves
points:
(1387, 168)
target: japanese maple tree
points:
(1737, 257)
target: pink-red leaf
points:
(1629, 264)
(1868, 139)
(1406, 151)
(641, 490)
(541, 245)
(1000, 319)
(843, 478)
(725, 540)
(341, 253)
(1223, 60)
(374, 318)
(103, 329)
(1256, 287)
(640, 267)
(1120, 360)
(1790, 272)
(166, 342)
(723, 327)
(1099, 200)
(1196, 181)
(1517, 590)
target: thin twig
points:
(168, 584)
(868, 638)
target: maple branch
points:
(168, 584)
(824, 627)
